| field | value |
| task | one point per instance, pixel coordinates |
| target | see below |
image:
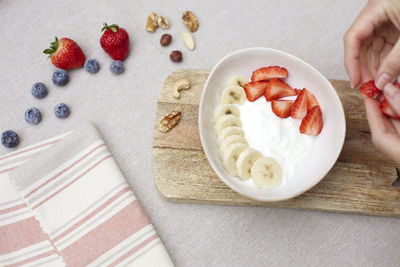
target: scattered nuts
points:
(183, 84)
(169, 121)
(163, 22)
(188, 40)
(165, 39)
(190, 21)
(152, 24)
(239, 81)
(176, 56)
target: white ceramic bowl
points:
(327, 146)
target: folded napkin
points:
(65, 202)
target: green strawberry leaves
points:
(112, 27)
(53, 47)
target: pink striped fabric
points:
(75, 210)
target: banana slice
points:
(239, 81)
(225, 109)
(231, 155)
(245, 162)
(233, 94)
(266, 173)
(229, 141)
(225, 121)
(228, 131)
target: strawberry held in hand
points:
(65, 54)
(115, 41)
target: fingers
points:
(390, 67)
(374, 53)
(370, 18)
(392, 95)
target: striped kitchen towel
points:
(65, 202)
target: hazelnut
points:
(176, 56)
(165, 39)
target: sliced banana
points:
(229, 141)
(239, 81)
(231, 155)
(266, 173)
(227, 120)
(228, 131)
(245, 162)
(225, 109)
(233, 94)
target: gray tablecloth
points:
(123, 107)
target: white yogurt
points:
(275, 137)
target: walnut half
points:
(151, 24)
(190, 21)
(170, 121)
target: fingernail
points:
(391, 91)
(352, 84)
(382, 81)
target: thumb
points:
(392, 95)
(390, 67)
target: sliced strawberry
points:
(277, 89)
(281, 108)
(255, 89)
(299, 108)
(370, 90)
(388, 111)
(312, 123)
(311, 100)
(267, 73)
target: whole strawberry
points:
(115, 41)
(65, 54)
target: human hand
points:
(371, 46)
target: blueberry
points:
(33, 115)
(117, 67)
(39, 90)
(91, 65)
(61, 110)
(60, 77)
(9, 139)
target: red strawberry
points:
(269, 73)
(115, 41)
(369, 89)
(281, 108)
(255, 89)
(277, 89)
(65, 54)
(312, 123)
(387, 110)
(299, 108)
(311, 100)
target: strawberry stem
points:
(53, 47)
(112, 27)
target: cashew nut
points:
(183, 84)
(239, 80)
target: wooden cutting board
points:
(360, 182)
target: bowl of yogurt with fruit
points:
(270, 124)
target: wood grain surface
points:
(360, 182)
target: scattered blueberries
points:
(91, 65)
(61, 110)
(117, 67)
(60, 77)
(9, 139)
(39, 90)
(33, 115)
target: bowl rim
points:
(208, 153)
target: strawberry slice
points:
(387, 110)
(277, 89)
(311, 100)
(255, 89)
(281, 108)
(267, 73)
(370, 90)
(299, 108)
(312, 123)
